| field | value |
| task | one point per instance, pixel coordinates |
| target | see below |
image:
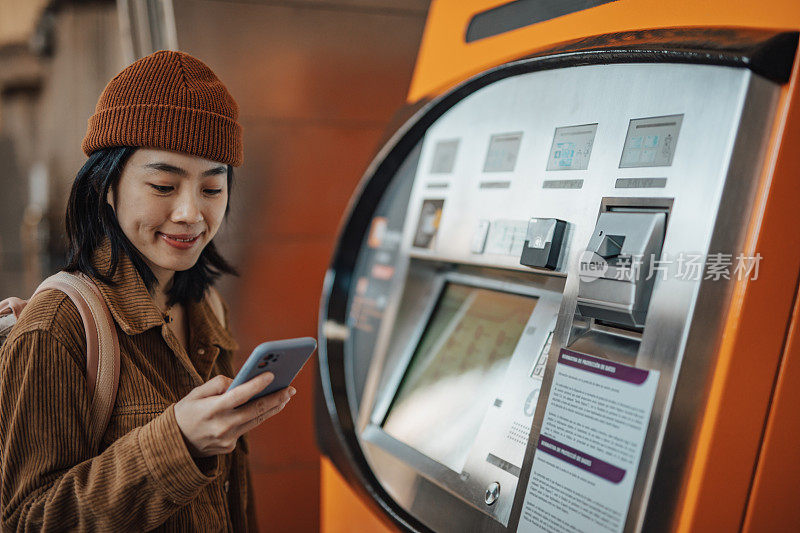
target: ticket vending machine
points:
(562, 299)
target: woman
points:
(141, 220)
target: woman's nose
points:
(187, 209)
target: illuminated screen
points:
(572, 147)
(651, 142)
(456, 371)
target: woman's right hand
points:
(210, 421)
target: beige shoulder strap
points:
(102, 346)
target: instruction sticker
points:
(589, 447)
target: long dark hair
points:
(90, 219)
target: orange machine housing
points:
(746, 460)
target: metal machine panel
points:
(459, 212)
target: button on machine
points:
(479, 237)
(492, 493)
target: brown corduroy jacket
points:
(143, 477)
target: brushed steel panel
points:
(719, 148)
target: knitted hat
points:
(168, 100)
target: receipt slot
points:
(618, 268)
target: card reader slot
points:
(627, 239)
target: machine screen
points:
(651, 142)
(444, 157)
(503, 151)
(572, 147)
(456, 371)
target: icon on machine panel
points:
(444, 156)
(503, 151)
(429, 218)
(572, 147)
(650, 142)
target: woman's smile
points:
(170, 205)
(181, 241)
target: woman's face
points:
(170, 205)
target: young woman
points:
(141, 220)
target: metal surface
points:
(623, 253)
(672, 315)
(711, 100)
(703, 322)
(503, 421)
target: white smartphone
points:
(283, 358)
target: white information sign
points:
(589, 448)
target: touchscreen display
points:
(456, 371)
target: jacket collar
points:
(135, 311)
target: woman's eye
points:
(213, 192)
(162, 188)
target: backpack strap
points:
(12, 305)
(102, 347)
(10, 309)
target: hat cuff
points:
(181, 129)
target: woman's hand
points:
(210, 421)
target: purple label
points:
(584, 461)
(604, 367)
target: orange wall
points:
(316, 84)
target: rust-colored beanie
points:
(168, 100)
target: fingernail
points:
(292, 391)
(269, 376)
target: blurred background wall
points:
(317, 82)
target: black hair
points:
(90, 219)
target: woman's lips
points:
(181, 241)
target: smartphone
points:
(283, 358)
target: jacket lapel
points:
(133, 309)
